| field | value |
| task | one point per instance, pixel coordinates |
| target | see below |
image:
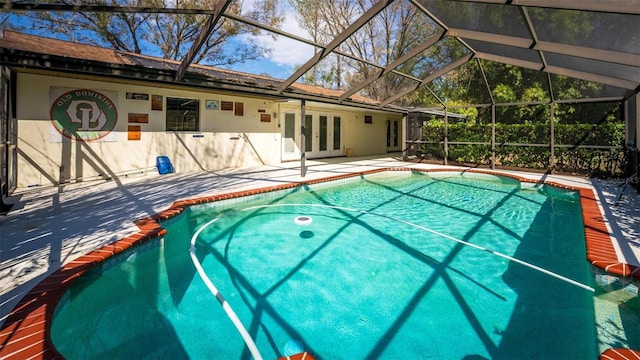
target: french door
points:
(323, 136)
(393, 135)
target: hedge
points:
(572, 159)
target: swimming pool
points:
(387, 268)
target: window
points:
(183, 114)
(368, 119)
(336, 133)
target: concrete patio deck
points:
(49, 227)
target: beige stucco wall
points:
(224, 140)
(360, 138)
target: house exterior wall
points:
(224, 139)
(364, 138)
(359, 138)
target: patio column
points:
(405, 129)
(493, 136)
(552, 155)
(632, 136)
(303, 140)
(446, 135)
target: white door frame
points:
(320, 140)
(291, 138)
(394, 141)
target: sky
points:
(286, 54)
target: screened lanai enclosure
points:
(540, 85)
(575, 115)
(550, 85)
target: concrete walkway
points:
(48, 227)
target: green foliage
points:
(608, 133)
(535, 94)
(503, 93)
(470, 154)
(526, 133)
(470, 112)
(597, 162)
(470, 132)
(386, 37)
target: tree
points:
(161, 34)
(508, 83)
(308, 17)
(396, 30)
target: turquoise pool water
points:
(387, 269)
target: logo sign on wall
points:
(83, 115)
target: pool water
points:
(386, 268)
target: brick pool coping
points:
(25, 333)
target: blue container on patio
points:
(164, 165)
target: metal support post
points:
(303, 140)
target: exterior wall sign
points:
(138, 118)
(226, 105)
(134, 132)
(82, 115)
(156, 102)
(137, 96)
(212, 104)
(239, 109)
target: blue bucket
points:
(164, 165)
